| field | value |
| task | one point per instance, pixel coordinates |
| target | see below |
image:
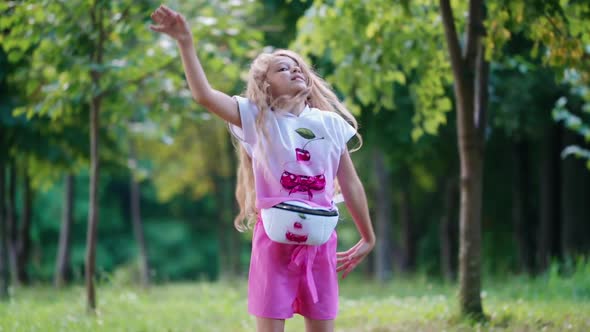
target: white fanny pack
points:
(294, 222)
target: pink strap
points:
(306, 255)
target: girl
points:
(293, 132)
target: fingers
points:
(348, 260)
(343, 265)
(157, 28)
(349, 251)
(347, 271)
(167, 11)
(157, 16)
(349, 254)
(164, 15)
(348, 266)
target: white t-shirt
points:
(301, 157)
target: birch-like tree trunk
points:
(63, 267)
(97, 58)
(11, 224)
(135, 199)
(23, 249)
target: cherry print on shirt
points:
(300, 153)
(303, 183)
(302, 176)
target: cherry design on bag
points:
(293, 237)
(300, 182)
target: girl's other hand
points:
(349, 259)
(171, 23)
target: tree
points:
(135, 197)
(91, 75)
(470, 71)
(388, 43)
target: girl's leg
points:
(269, 325)
(315, 325)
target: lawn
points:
(547, 303)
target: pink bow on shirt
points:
(303, 183)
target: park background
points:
(87, 89)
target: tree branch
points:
(452, 41)
(482, 71)
(124, 17)
(138, 80)
(473, 32)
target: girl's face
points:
(285, 77)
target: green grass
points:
(415, 304)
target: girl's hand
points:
(349, 259)
(171, 23)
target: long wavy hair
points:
(318, 94)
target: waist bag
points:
(294, 222)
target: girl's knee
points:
(316, 325)
(269, 325)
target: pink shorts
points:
(285, 279)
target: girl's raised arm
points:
(174, 25)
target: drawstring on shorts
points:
(305, 255)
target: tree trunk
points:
(549, 236)
(24, 239)
(229, 239)
(470, 234)
(97, 14)
(408, 259)
(63, 270)
(521, 218)
(11, 224)
(448, 230)
(470, 72)
(93, 205)
(138, 225)
(233, 245)
(4, 273)
(383, 218)
(232, 205)
(226, 236)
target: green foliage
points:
(191, 259)
(180, 246)
(559, 34)
(278, 20)
(177, 137)
(521, 98)
(387, 59)
(558, 30)
(378, 45)
(576, 124)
